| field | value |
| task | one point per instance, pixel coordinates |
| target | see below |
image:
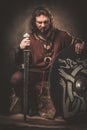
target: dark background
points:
(69, 15)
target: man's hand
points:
(79, 47)
(25, 43)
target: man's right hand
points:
(25, 43)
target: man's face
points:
(42, 23)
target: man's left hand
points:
(79, 47)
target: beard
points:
(43, 31)
(44, 34)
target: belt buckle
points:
(47, 59)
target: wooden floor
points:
(16, 122)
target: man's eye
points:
(40, 22)
(45, 22)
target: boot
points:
(15, 103)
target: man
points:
(45, 42)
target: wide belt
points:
(43, 73)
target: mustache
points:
(43, 29)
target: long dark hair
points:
(37, 12)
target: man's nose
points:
(43, 25)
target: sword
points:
(26, 77)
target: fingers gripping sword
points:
(26, 76)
